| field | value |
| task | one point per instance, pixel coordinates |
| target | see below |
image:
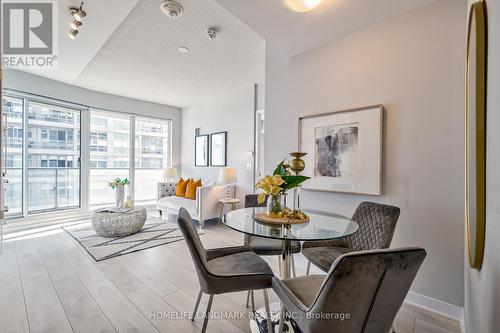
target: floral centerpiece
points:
(275, 187)
(118, 185)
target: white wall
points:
(233, 113)
(34, 84)
(482, 288)
(414, 65)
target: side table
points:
(227, 201)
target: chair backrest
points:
(195, 246)
(377, 223)
(251, 201)
(370, 286)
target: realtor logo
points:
(29, 33)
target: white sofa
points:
(205, 207)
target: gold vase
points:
(297, 164)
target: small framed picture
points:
(201, 150)
(218, 149)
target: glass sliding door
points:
(151, 156)
(53, 157)
(109, 154)
(13, 149)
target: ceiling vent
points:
(172, 9)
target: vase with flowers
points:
(118, 185)
(275, 187)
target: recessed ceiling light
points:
(72, 33)
(183, 49)
(302, 6)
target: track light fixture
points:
(75, 24)
(78, 15)
(72, 33)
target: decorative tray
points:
(281, 220)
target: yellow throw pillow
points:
(191, 189)
(180, 189)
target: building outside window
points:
(49, 135)
(52, 175)
(151, 155)
(104, 128)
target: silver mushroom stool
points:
(111, 224)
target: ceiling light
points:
(183, 49)
(72, 33)
(78, 14)
(75, 24)
(171, 8)
(302, 6)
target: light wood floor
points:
(48, 283)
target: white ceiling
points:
(129, 48)
(292, 33)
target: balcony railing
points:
(52, 189)
(49, 189)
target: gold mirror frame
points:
(475, 191)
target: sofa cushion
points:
(174, 203)
(191, 189)
(180, 189)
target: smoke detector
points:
(171, 8)
(211, 33)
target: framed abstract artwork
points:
(201, 150)
(475, 131)
(344, 150)
(218, 149)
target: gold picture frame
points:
(475, 129)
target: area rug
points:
(155, 232)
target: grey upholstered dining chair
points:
(377, 223)
(224, 270)
(265, 246)
(362, 292)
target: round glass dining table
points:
(321, 226)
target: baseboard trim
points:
(438, 307)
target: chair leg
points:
(196, 305)
(268, 312)
(279, 264)
(248, 299)
(293, 266)
(253, 301)
(207, 314)
(282, 318)
(308, 267)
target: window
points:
(151, 155)
(107, 163)
(48, 177)
(53, 184)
